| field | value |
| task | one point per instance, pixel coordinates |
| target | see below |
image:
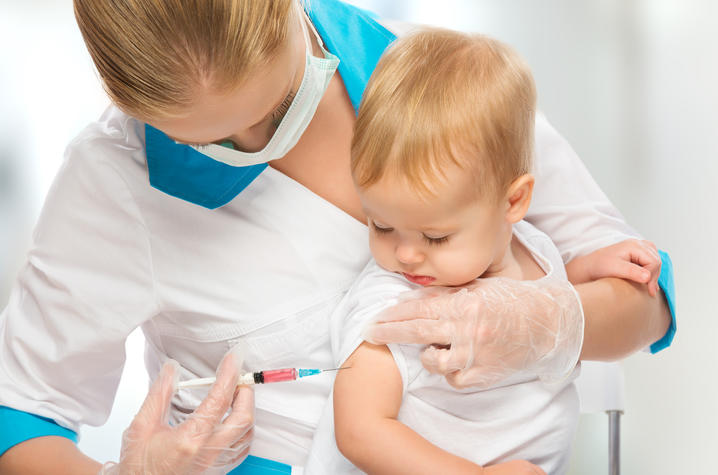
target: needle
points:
(261, 377)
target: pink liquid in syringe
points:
(279, 375)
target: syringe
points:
(260, 377)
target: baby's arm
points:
(367, 398)
(631, 259)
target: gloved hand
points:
(494, 328)
(203, 443)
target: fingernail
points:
(175, 375)
(366, 333)
(237, 354)
(245, 395)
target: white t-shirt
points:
(111, 253)
(521, 418)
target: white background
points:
(633, 85)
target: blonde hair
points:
(439, 96)
(154, 55)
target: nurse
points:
(212, 206)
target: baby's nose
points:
(408, 254)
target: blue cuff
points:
(665, 281)
(258, 466)
(18, 426)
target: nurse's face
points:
(248, 115)
(448, 240)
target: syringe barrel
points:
(279, 375)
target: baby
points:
(442, 158)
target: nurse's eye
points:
(435, 241)
(381, 230)
(192, 144)
(281, 111)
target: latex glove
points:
(204, 442)
(494, 328)
(632, 259)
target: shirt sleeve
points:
(374, 290)
(86, 284)
(570, 207)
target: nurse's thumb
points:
(155, 409)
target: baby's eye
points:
(436, 240)
(381, 230)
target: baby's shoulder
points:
(543, 249)
(375, 283)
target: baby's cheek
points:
(460, 268)
(381, 253)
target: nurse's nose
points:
(408, 254)
(255, 139)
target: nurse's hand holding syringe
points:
(206, 439)
(260, 377)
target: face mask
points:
(317, 74)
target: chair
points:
(601, 388)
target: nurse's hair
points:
(440, 97)
(154, 55)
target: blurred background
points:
(632, 85)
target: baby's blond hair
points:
(153, 56)
(437, 97)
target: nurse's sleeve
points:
(86, 284)
(569, 206)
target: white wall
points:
(632, 85)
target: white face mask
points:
(317, 74)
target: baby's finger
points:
(630, 271)
(643, 256)
(653, 248)
(655, 289)
(655, 269)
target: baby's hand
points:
(632, 259)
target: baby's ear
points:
(518, 198)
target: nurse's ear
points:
(518, 198)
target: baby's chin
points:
(450, 283)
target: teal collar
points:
(178, 170)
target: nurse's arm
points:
(620, 318)
(43, 455)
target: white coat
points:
(111, 253)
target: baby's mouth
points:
(419, 279)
